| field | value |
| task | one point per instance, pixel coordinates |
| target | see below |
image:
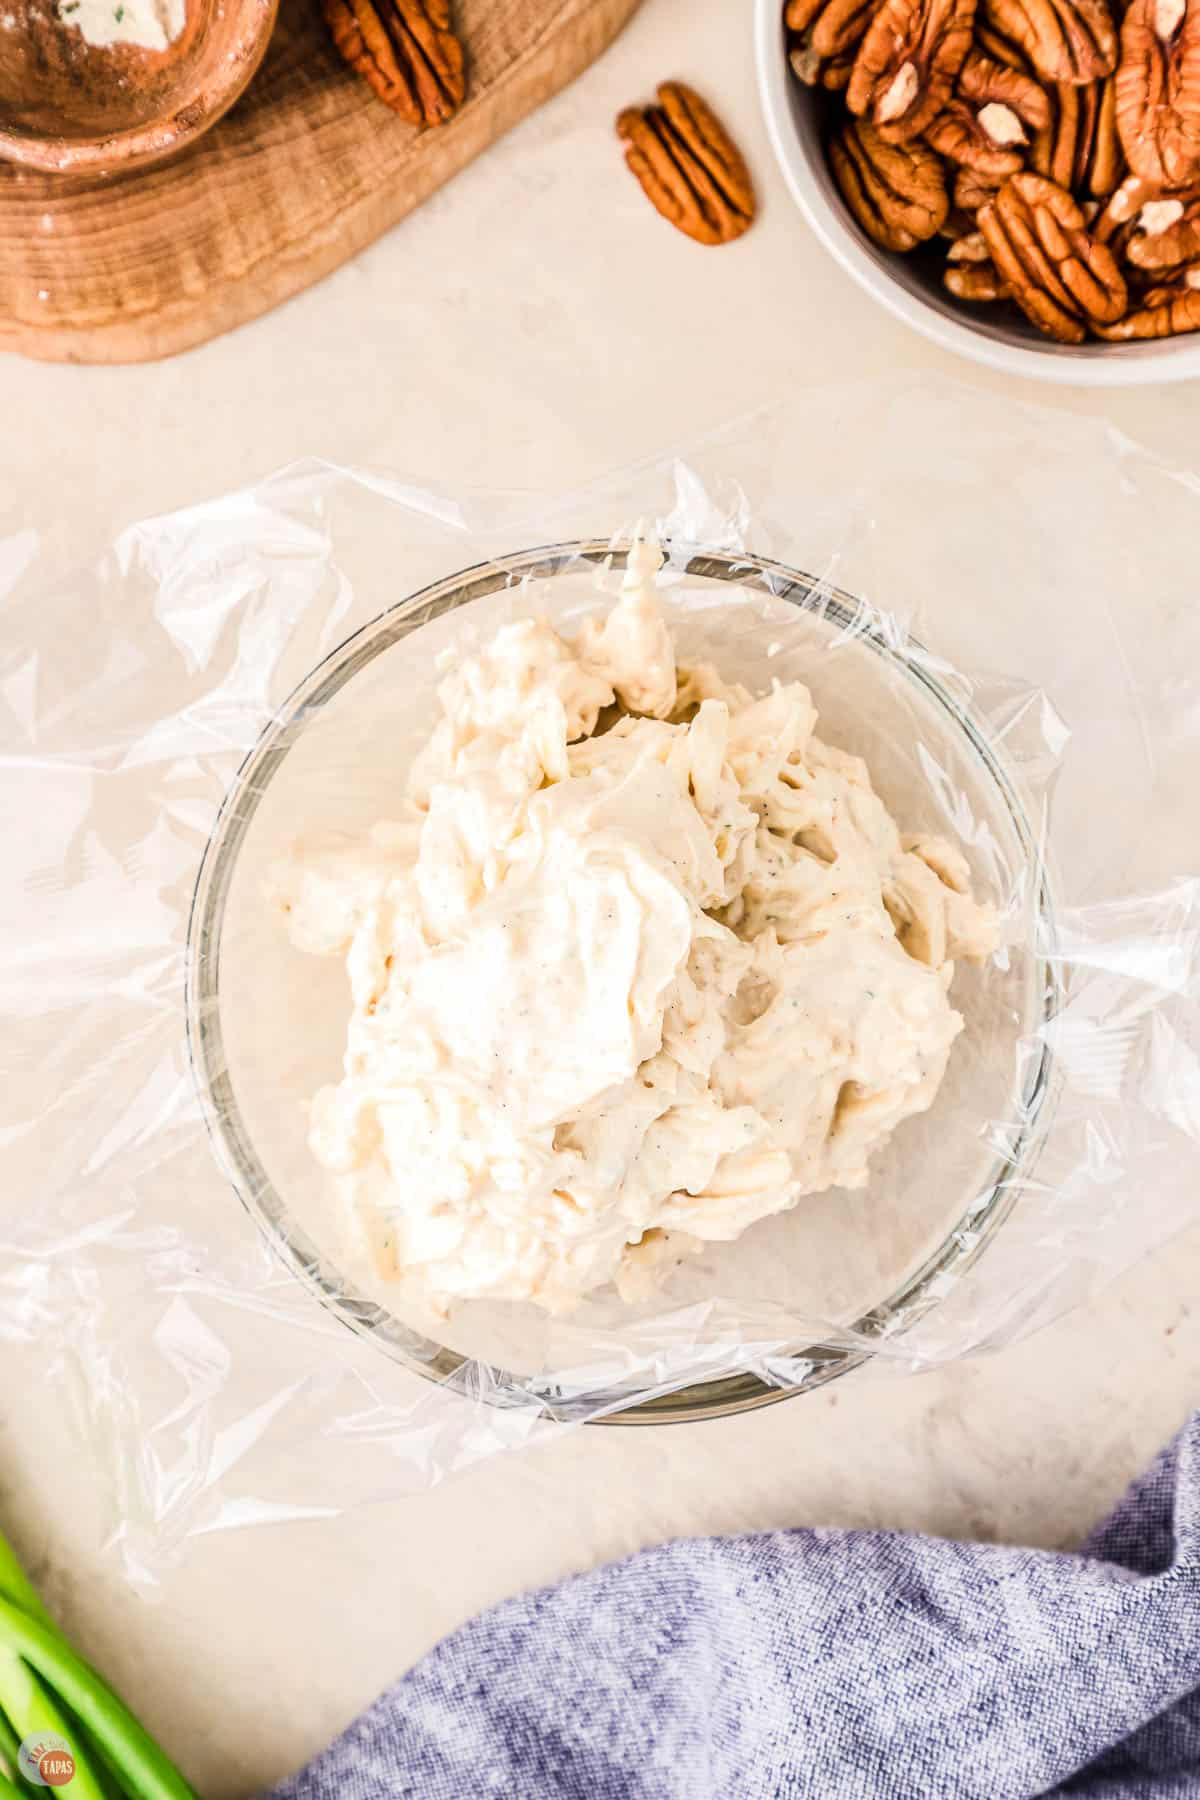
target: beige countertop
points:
(535, 325)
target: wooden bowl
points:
(72, 106)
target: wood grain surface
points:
(306, 170)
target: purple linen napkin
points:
(819, 1665)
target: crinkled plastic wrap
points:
(1017, 668)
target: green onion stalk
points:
(47, 1690)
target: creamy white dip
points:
(617, 993)
(151, 24)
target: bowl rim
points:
(800, 1369)
(1109, 365)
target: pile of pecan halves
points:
(1053, 146)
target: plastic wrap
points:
(1015, 665)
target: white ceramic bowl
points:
(909, 286)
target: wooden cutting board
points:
(305, 171)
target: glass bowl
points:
(799, 1299)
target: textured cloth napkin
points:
(830, 1664)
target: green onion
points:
(32, 1712)
(16, 1585)
(45, 1687)
(10, 1744)
(26, 1709)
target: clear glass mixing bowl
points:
(839, 1273)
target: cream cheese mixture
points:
(150, 24)
(644, 961)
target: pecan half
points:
(978, 282)
(956, 225)
(1063, 145)
(832, 75)
(999, 48)
(1123, 205)
(1066, 40)
(1166, 232)
(971, 191)
(836, 73)
(907, 64)
(689, 167)
(897, 192)
(1158, 90)
(989, 81)
(988, 139)
(971, 247)
(1166, 311)
(1080, 149)
(407, 52)
(1061, 277)
(824, 33)
(1106, 162)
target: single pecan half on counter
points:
(824, 36)
(1065, 40)
(1158, 90)
(406, 50)
(688, 165)
(897, 192)
(1165, 311)
(907, 64)
(1060, 276)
